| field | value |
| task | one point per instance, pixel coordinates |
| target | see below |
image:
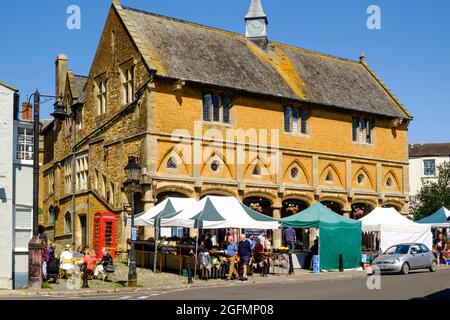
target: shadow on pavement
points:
(439, 295)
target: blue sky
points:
(411, 53)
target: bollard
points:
(341, 263)
(85, 276)
(189, 271)
(291, 265)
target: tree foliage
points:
(434, 194)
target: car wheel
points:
(405, 268)
(433, 267)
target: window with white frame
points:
(127, 84)
(68, 176)
(24, 144)
(101, 92)
(429, 168)
(82, 173)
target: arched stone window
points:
(68, 223)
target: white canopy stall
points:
(219, 213)
(395, 228)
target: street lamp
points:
(133, 171)
(34, 246)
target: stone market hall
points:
(159, 86)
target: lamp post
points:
(34, 246)
(133, 171)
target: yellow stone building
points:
(211, 112)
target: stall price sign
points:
(134, 234)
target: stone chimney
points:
(61, 73)
(27, 111)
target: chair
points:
(64, 273)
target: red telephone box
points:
(105, 224)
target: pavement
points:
(165, 282)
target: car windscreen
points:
(400, 249)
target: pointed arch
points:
(175, 155)
(391, 174)
(264, 171)
(223, 171)
(303, 172)
(363, 170)
(331, 169)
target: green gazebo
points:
(338, 236)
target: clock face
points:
(255, 28)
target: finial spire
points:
(362, 57)
(256, 10)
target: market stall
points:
(214, 212)
(168, 206)
(394, 228)
(439, 219)
(339, 236)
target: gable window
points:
(127, 84)
(389, 182)
(361, 178)
(215, 166)
(362, 130)
(294, 173)
(82, 171)
(171, 164)
(329, 177)
(216, 108)
(101, 92)
(295, 120)
(429, 168)
(256, 171)
(24, 149)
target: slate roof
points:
(80, 84)
(429, 150)
(179, 49)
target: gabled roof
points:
(429, 150)
(178, 49)
(8, 86)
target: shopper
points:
(66, 260)
(44, 250)
(231, 253)
(441, 247)
(251, 240)
(52, 251)
(290, 238)
(245, 253)
(106, 265)
(208, 242)
(262, 237)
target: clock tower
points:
(256, 23)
